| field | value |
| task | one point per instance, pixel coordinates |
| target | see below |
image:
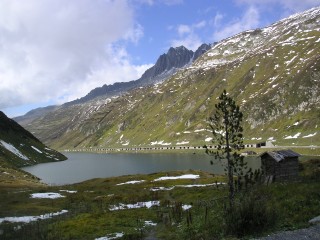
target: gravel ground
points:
(310, 233)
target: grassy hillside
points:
(20, 148)
(12, 177)
(137, 206)
(272, 73)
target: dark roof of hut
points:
(281, 154)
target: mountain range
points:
(273, 74)
(166, 65)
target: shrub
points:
(250, 215)
(310, 169)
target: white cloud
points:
(135, 34)
(172, 2)
(200, 24)
(52, 49)
(188, 36)
(183, 29)
(148, 2)
(217, 19)
(249, 20)
(166, 2)
(191, 41)
(116, 69)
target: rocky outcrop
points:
(201, 50)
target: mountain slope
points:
(33, 114)
(273, 73)
(19, 147)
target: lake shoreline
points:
(84, 166)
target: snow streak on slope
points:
(12, 149)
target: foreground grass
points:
(290, 206)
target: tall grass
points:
(251, 214)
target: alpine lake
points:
(82, 166)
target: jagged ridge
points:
(166, 65)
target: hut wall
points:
(268, 165)
(286, 169)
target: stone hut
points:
(280, 165)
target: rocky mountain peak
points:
(166, 65)
(174, 58)
(201, 50)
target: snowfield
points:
(12, 149)
(68, 191)
(160, 143)
(131, 182)
(49, 195)
(149, 223)
(186, 207)
(294, 136)
(122, 206)
(186, 176)
(154, 189)
(183, 143)
(111, 236)
(310, 135)
(36, 149)
(27, 219)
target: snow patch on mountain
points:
(183, 143)
(310, 135)
(36, 149)
(12, 149)
(160, 143)
(294, 136)
(131, 182)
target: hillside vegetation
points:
(168, 205)
(273, 73)
(19, 148)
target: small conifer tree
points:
(228, 140)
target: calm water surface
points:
(83, 166)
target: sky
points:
(55, 51)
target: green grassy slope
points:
(90, 203)
(272, 73)
(20, 148)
